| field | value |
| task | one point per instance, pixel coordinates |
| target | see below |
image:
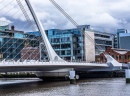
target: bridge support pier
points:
(72, 77)
(127, 75)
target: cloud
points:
(106, 14)
(103, 19)
(49, 23)
(5, 20)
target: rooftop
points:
(4, 23)
(12, 30)
(120, 51)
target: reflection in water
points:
(91, 87)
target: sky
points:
(104, 15)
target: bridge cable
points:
(16, 26)
(72, 20)
(6, 5)
(1, 1)
(64, 13)
(69, 18)
(11, 38)
(22, 8)
(42, 38)
(16, 47)
(9, 10)
(25, 14)
(13, 44)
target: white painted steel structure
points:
(45, 66)
(55, 62)
(52, 54)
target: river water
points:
(89, 87)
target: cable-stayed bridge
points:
(12, 54)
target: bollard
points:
(72, 77)
(127, 75)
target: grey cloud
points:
(105, 14)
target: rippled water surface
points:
(91, 87)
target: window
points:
(129, 57)
(120, 57)
(101, 58)
(125, 56)
(117, 57)
(68, 52)
(58, 52)
(18, 35)
(98, 58)
(62, 52)
(1, 55)
(112, 55)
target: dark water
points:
(91, 87)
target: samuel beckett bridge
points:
(19, 50)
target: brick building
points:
(121, 55)
(30, 53)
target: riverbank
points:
(18, 75)
(81, 75)
(101, 74)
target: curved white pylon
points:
(111, 60)
(52, 54)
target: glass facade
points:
(2, 28)
(121, 33)
(103, 41)
(18, 35)
(12, 42)
(122, 36)
(68, 43)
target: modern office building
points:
(2, 28)
(102, 41)
(79, 43)
(68, 44)
(122, 39)
(13, 41)
(4, 25)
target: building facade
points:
(68, 44)
(121, 55)
(102, 40)
(122, 36)
(89, 46)
(78, 44)
(30, 54)
(13, 41)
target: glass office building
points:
(69, 44)
(13, 41)
(103, 40)
(122, 36)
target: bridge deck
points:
(48, 66)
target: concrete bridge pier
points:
(127, 75)
(72, 77)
